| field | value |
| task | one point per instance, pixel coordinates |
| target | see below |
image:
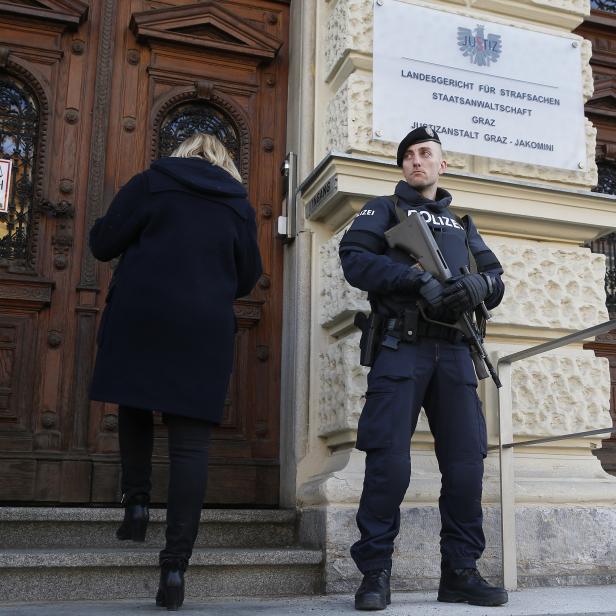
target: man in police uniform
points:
(432, 368)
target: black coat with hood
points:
(388, 275)
(187, 237)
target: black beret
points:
(417, 135)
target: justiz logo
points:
(481, 49)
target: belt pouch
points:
(409, 325)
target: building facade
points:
(537, 219)
(91, 92)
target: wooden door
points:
(105, 88)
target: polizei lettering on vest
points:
(439, 221)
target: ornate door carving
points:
(93, 95)
(41, 72)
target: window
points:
(189, 118)
(19, 132)
(607, 177)
(604, 5)
(607, 244)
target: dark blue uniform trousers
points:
(440, 376)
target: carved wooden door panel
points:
(218, 67)
(42, 78)
(90, 93)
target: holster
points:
(371, 329)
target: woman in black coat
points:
(186, 235)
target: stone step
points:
(86, 574)
(54, 527)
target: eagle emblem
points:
(481, 49)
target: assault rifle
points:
(413, 237)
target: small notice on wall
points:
(488, 89)
(5, 184)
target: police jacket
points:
(388, 275)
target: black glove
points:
(431, 290)
(465, 293)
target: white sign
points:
(487, 89)
(5, 184)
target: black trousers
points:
(439, 376)
(188, 456)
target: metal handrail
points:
(549, 439)
(583, 334)
(506, 442)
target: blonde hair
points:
(203, 145)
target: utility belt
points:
(378, 330)
(409, 329)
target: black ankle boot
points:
(466, 585)
(171, 586)
(373, 592)
(136, 516)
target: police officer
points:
(432, 368)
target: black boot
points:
(171, 586)
(466, 585)
(136, 516)
(373, 592)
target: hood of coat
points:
(197, 174)
(410, 195)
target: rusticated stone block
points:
(338, 297)
(550, 286)
(588, 84)
(349, 28)
(560, 394)
(349, 118)
(343, 385)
